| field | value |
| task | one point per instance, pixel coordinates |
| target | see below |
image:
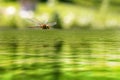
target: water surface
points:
(59, 55)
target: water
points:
(59, 55)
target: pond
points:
(59, 54)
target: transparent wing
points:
(52, 24)
(34, 21)
(46, 21)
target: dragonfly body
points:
(42, 25)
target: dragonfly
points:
(42, 25)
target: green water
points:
(59, 55)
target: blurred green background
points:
(85, 44)
(93, 14)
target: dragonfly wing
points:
(52, 24)
(34, 21)
(46, 21)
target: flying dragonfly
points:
(42, 25)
